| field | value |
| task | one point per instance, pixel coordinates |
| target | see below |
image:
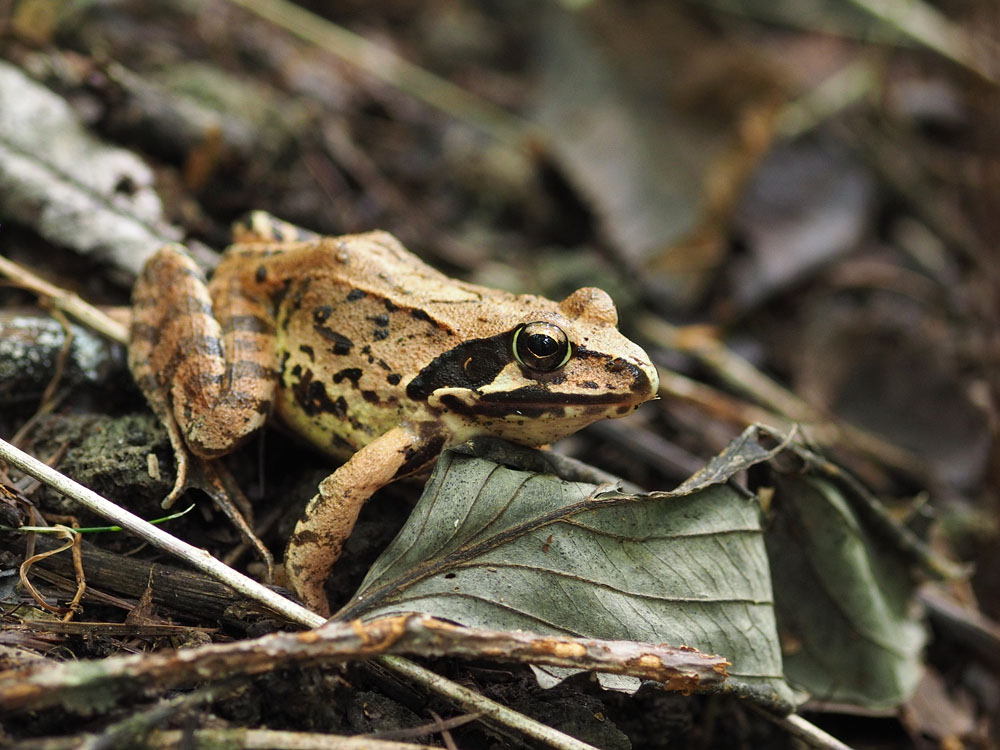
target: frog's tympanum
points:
(371, 355)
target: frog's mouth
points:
(526, 403)
(541, 399)
(533, 395)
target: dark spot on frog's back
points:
(341, 344)
(355, 294)
(308, 351)
(394, 378)
(312, 397)
(295, 300)
(351, 373)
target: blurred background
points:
(794, 204)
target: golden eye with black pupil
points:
(541, 346)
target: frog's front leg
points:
(330, 516)
(204, 359)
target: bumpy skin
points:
(367, 353)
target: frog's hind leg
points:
(209, 381)
(260, 226)
(216, 376)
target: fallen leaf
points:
(804, 208)
(492, 546)
(844, 598)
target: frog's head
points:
(542, 376)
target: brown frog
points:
(371, 355)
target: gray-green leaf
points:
(844, 598)
(493, 546)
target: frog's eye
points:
(541, 346)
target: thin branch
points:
(810, 734)
(198, 558)
(68, 302)
(74, 682)
(473, 701)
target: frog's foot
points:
(330, 516)
(181, 459)
(214, 479)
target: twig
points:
(805, 731)
(681, 669)
(473, 701)
(68, 302)
(438, 725)
(838, 92)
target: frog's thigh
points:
(217, 376)
(330, 516)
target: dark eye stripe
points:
(471, 364)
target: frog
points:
(370, 355)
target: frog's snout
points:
(646, 381)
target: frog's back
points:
(355, 318)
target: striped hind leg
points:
(213, 378)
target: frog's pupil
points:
(542, 346)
